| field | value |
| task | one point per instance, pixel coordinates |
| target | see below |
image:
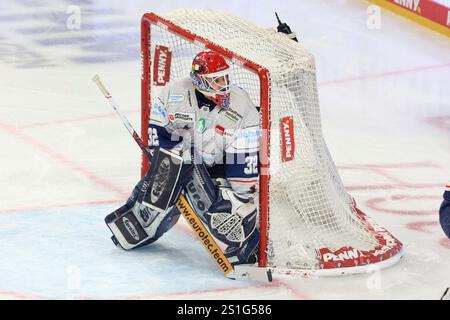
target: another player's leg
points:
(444, 212)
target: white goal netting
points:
(310, 214)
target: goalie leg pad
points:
(230, 219)
(149, 211)
(234, 221)
(138, 226)
(200, 191)
(127, 231)
(161, 181)
(246, 253)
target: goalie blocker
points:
(151, 209)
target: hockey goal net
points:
(308, 223)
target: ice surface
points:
(67, 161)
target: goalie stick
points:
(239, 272)
(445, 296)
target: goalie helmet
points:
(210, 75)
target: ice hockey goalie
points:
(204, 134)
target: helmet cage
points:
(209, 83)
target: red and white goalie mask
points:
(210, 75)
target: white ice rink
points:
(66, 161)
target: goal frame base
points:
(245, 272)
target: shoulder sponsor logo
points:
(131, 229)
(287, 139)
(161, 66)
(181, 116)
(176, 98)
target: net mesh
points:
(309, 207)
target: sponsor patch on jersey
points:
(161, 66)
(232, 115)
(224, 103)
(158, 114)
(181, 116)
(201, 125)
(223, 132)
(176, 98)
(247, 139)
(287, 139)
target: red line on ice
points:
(193, 292)
(373, 204)
(382, 172)
(436, 121)
(422, 226)
(383, 74)
(380, 169)
(62, 159)
(71, 120)
(58, 205)
(445, 243)
(392, 186)
(275, 283)
(22, 296)
(63, 121)
(442, 122)
(390, 165)
(299, 295)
